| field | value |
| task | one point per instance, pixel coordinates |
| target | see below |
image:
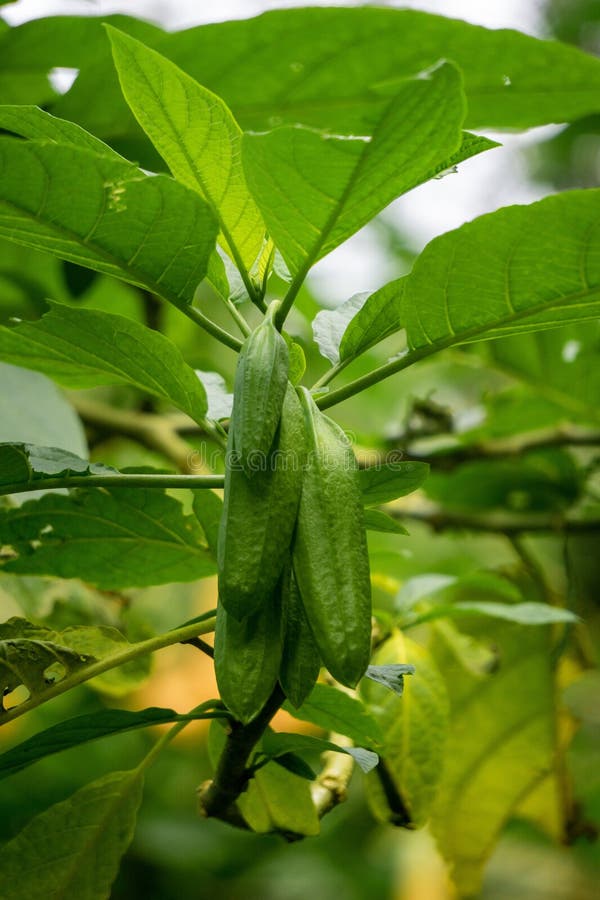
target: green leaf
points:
(376, 319)
(391, 676)
(34, 411)
(111, 538)
(334, 710)
(296, 765)
(414, 726)
(388, 481)
(546, 479)
(377, 520)
(501, 742)
(86, 347)
(281, 801)
(107, 215)
(507, 260)
(315, 189)
(74, 848)
(196, 135)
(276, 743)
(529, 613)
(37, 124)
(83, 729)
(39, 658)
(271, 70)
(22, 464)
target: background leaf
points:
(414, 727)
(74, 848)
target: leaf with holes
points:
(107, 215)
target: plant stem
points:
(211, 327)
(330, 374)
(237, 316)
(177, 636)
(366, 381)
(231, 776)
(118, 481)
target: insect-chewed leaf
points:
(247, 657)
(259, 516)
(331, 562)
(260, 384)
(301, 660)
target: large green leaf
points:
(414, 726)
(86, 347)
(385, 482)
(521, 268)
(317, 189)
(197, 136)
(106, 215)
(500, 745)
(112, 538)
(324, 67)
(73, 849)
(82, 730)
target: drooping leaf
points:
(112, 538)
(83, 729)
(391, 676)
(73, 849)
(37, 124)
(34, 411)
(22, 464)
(315, 189)
(280, 743)
(334, 710)
(414, 727)
(86, 347)
(197, 136)
(107, 215)
(501, 274)
(377, 520)
(500, 743)
(388, 481)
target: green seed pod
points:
(301, 660)
(331, 561)
(259, 515)
(247, 657)
(261, 380)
